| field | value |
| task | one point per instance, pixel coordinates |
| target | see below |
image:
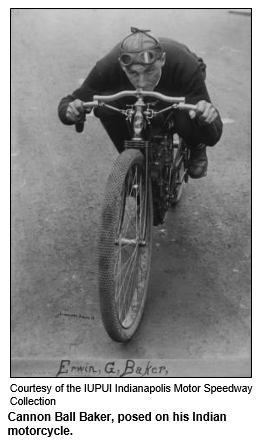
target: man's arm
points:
(209, 122)
(70, 109)
(207, 116)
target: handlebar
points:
(138, 94)
(133, 93)
(97, 100)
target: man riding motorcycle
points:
(142, 61)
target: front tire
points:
(124, 246)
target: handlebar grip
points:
(188, 107)
(79, 127)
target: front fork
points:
(138, 141)
(147, 187)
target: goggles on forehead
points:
(142, 57)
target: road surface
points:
(197, 318)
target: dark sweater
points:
(182, 75)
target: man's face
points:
(145, 77)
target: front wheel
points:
(124, 246)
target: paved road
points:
(197, 318)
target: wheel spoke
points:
(127, 295)
(126, 279)
(118, 271)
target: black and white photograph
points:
(131, 193)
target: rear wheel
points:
(124, 246)
(179, 171)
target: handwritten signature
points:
(119, 368)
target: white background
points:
(244, 412)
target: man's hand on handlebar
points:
(205, 113)
(76, 112)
